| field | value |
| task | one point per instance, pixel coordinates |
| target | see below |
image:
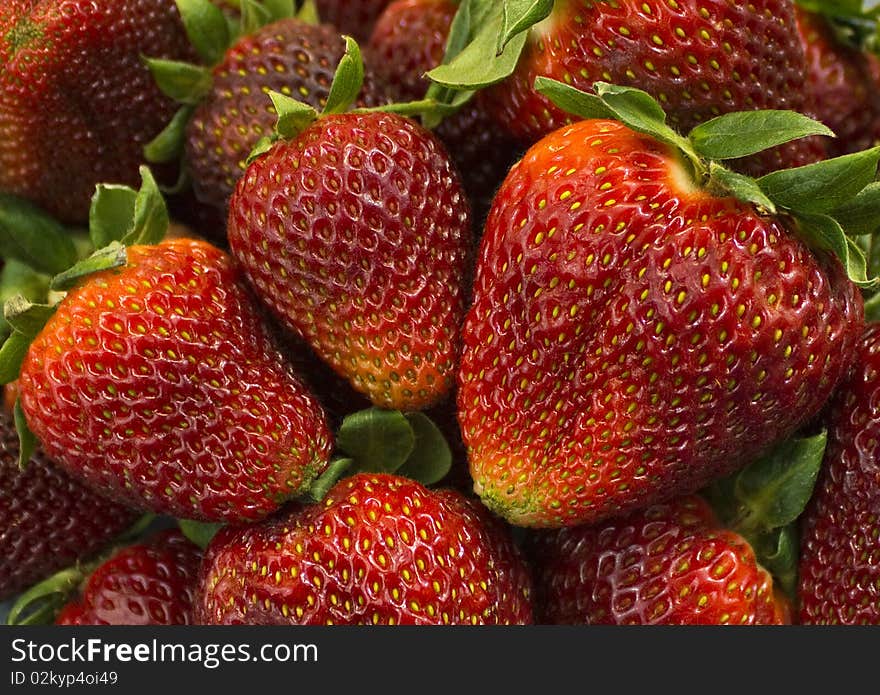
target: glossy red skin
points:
(77, 102)
(160, 385)
(408, 40)
(353, 17)
(48, 520)
(149, 583)
(356, 235)
(748, 58)
(379, 549)
(845, 83)
(839, 573)
(668, 564)
(631, 340)
(289, 56)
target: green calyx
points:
(854, 23)
(832, 202)
(764, 501)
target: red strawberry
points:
(378, 549)
(159, 384)
(153, 582)
(632, 335)
(356, 233)
(77, 103)
(48, 520)
(353, 17)
(845, 83)
(840, 551)
(408, 40)
(668, 564)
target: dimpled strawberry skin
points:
(77, 102)
(149, 583)
(379, 549)
(669, 564)
(356, 235)
(632, 338)
(839, 570)
(159, 385)
(48, 520)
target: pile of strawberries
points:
(439, 312)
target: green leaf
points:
(573, 100)
(206, 28)
(281, 9)
(293, 116)
(111, 256)
(183, 82)
(253, 16)
(16, 278)
(27, 441)
(723, 181)
(168, 146)
(12, 354)
(308, 13)
(348, 80)
(379, 441)
(824, 232)
(519, 16)
(26, 317)
(40, 604)
(823, 186)
(431, 458)
(321, 485)
(779, 553)
(744, 133)
(263, 145)
(34, 237)
(199, 532)
(861, 214)
(151, 220)
(111, 213)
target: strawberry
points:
(355, 232)
(77, 104)
(379, 549)
(845, 83)
(48, 520)
(667, 564)
(640, 328)
(409, 39)
(840, 553)
(352, 17)
(158, 382)
(152, 582)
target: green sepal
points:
(431, 458)
(168, 145)
(723, 181)
(32, 236)
(111, 256)
(348, 79)
(861, 215)
(308, 13)
(519, 16)
(279, 9)
(12, 354)
(456, 41)
(40, 604)
(872, 308)
(256, 14)
(573, 100)
(199, 532)
(184, 82)
(26, 317)
(27, 440)
(745, 133)
(430, 111)
(824, 232)
(779, 553)
(121, 214)
(16, 278)
(263, 145)
(321, 485)
(378, 440)
(206, 27)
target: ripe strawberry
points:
(633, 336)
(353, 17)
(153, 582)
(48, 520)
(845, 83)
(378, 549)
(840, 553)
(356, 233)
(408, 40)
(158, 383)
(667, 564)
(77, 104)
(290, 56)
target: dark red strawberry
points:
(408, 40)
(845, 83)
(77, 103)
(153, 582)
(48, 520)
(379, 549)
(668, 564)
(353, 17)
(632, 335)
(356, 234)
(840, 552)
(159, 384)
